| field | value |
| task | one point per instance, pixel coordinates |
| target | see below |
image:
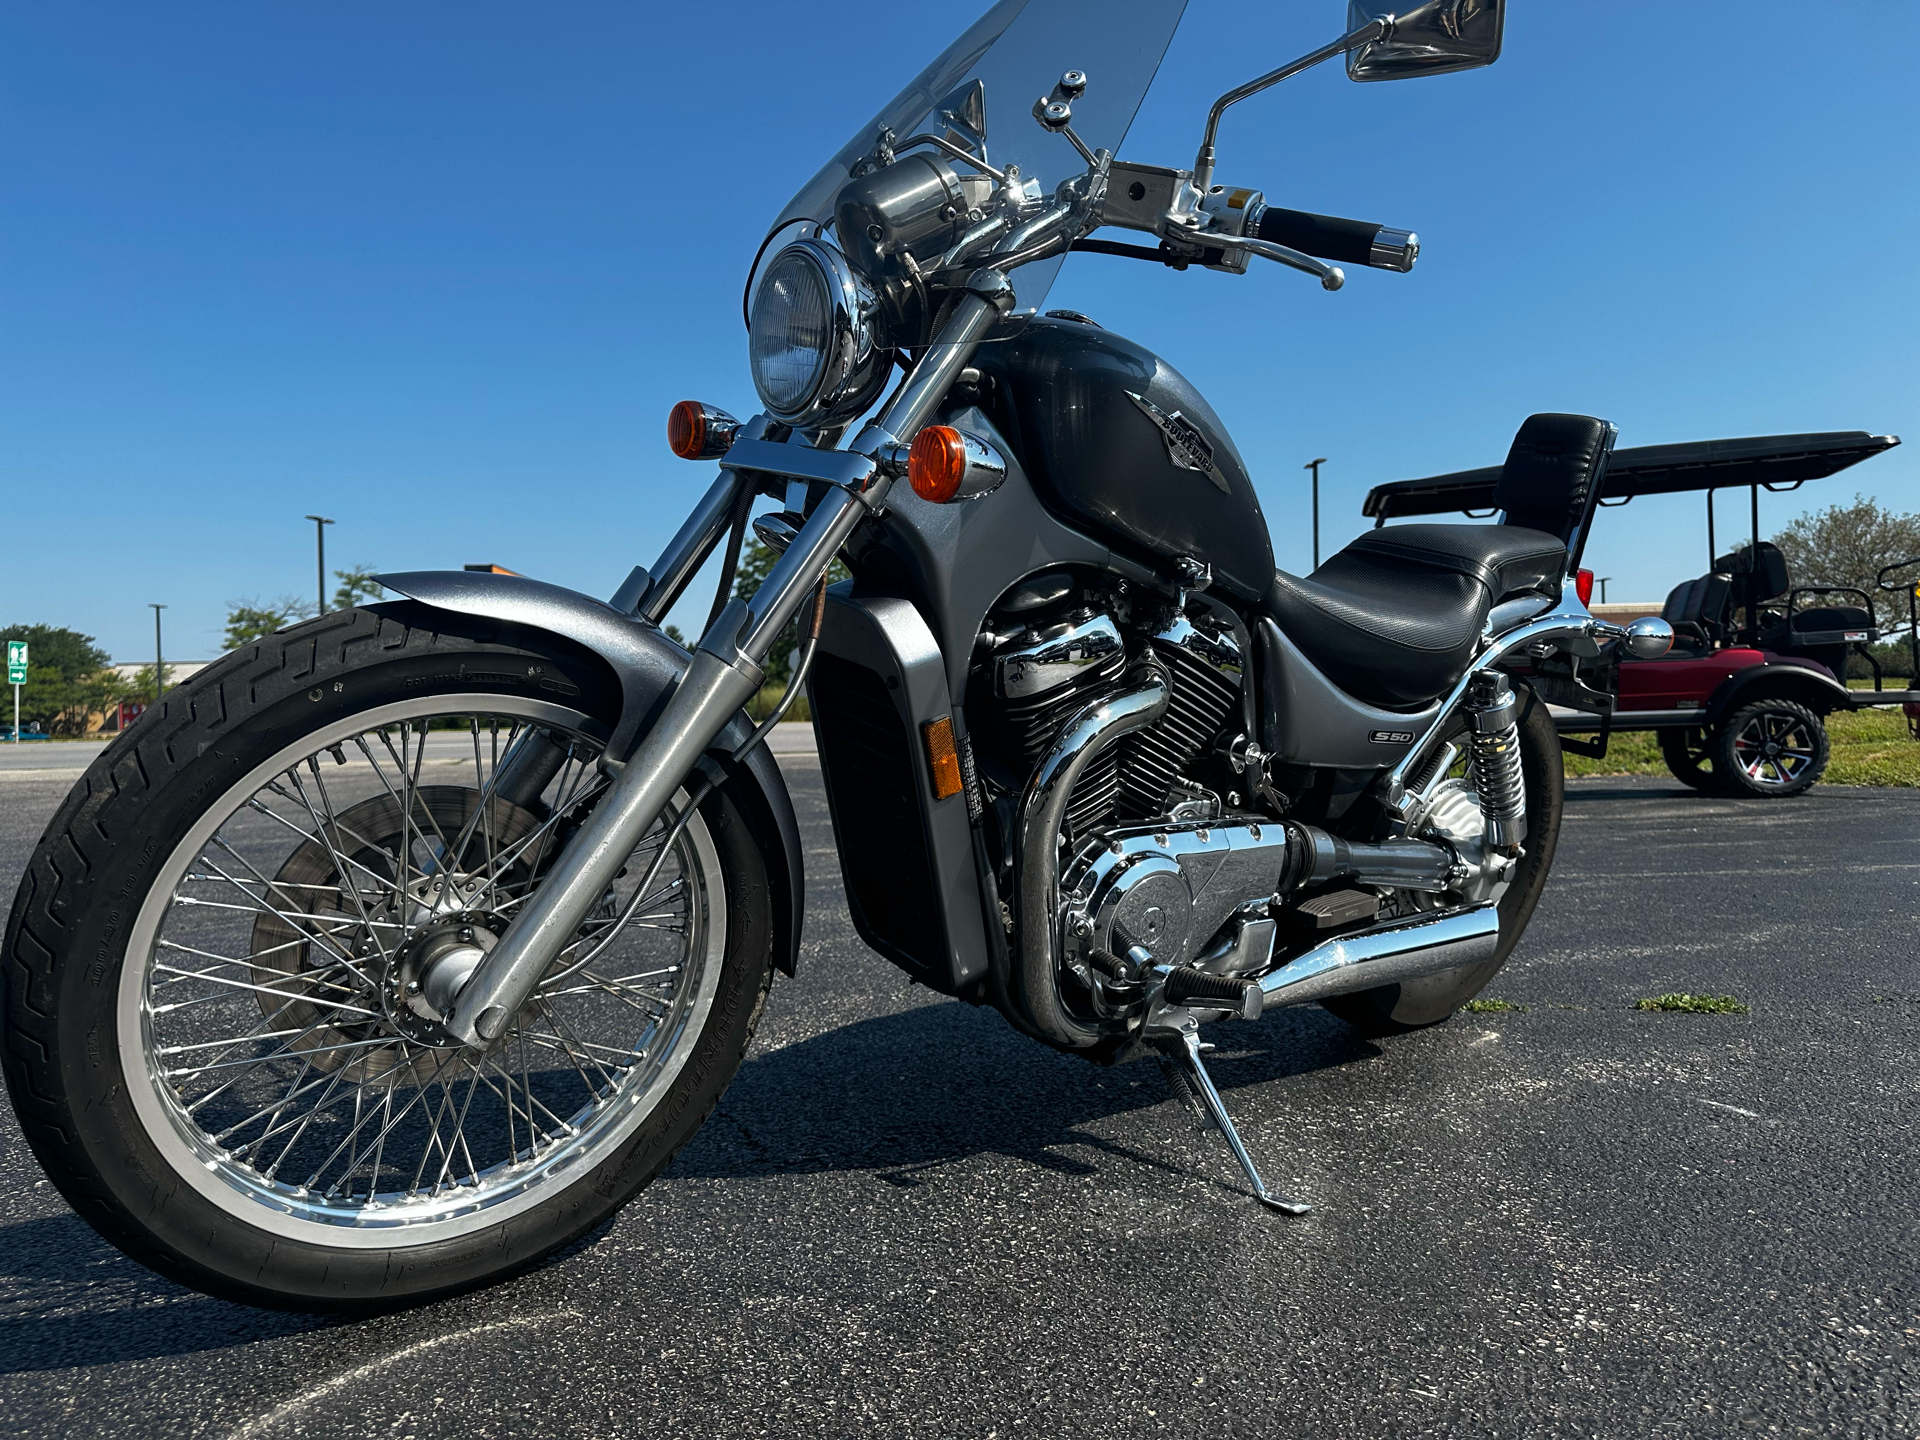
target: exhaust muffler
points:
(1388, 954)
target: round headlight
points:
(811, 338)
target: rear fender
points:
(648, 666)
(1776, 680)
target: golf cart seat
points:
(1697, 610)
(1758, 573)
(1394, 617)
(1701, 611)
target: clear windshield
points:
(1017, 50)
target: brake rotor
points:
(359, 944)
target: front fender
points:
(648, 666)
(1776, 680)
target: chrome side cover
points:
(1168, 891)
(1048, 658)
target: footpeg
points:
(1183, 1055)
(1188, 986)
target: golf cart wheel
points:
(1771, 748)
(1689, 756)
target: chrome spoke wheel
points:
(281, 1003)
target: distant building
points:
(1624, 611)
(117, 720)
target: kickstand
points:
(1190, 1081)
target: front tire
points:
(1416, 1004)
(222, 963)
(1770, 749)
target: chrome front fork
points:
(724, 675)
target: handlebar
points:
(1356, 242)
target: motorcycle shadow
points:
(69, 1299)
(905, 1094)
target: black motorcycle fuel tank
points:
(1119, 442)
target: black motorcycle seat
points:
(1393, 618)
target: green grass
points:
(1490, 1007)
(1694, 1004)
(1870, 747)
(762, 704)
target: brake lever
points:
(1331, 277)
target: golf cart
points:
(1757, 663)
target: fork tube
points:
(973, 315)
(689, 549)
(724, 675)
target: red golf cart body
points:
(1736, 645)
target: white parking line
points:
(262, 1423)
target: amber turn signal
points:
(937, 463)
(697, 431)
(943, 760)
(1583, 586)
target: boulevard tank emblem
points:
(1187, 448)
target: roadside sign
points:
(16, 662)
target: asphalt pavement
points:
(1571, 1219)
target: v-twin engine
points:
(1158, 895)
(1146, 837)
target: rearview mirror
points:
(1430, 39)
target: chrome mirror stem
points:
(1203, 165)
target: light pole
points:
(1314, 466)
(159, 666)
(1603, 587)
(320, 523)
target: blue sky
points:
(439, 271)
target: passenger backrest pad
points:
(1553, 474)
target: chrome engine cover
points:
(1169, 889)
(1454, 817)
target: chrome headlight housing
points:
(813, 338)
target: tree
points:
(756, 563)
(68, 679)
(67, 651)
(356, 587)
(251, 620)
(140, 688)
(1848, 545)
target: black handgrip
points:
(1352, 242)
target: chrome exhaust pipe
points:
(1035, 978)
(1387, 955)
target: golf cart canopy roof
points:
(1777, 462)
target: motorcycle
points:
(396, 951)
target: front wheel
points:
(229, 958)
(1771, 749)
(1416, 1004)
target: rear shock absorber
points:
(1494, 739)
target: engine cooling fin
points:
(1152, 759)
